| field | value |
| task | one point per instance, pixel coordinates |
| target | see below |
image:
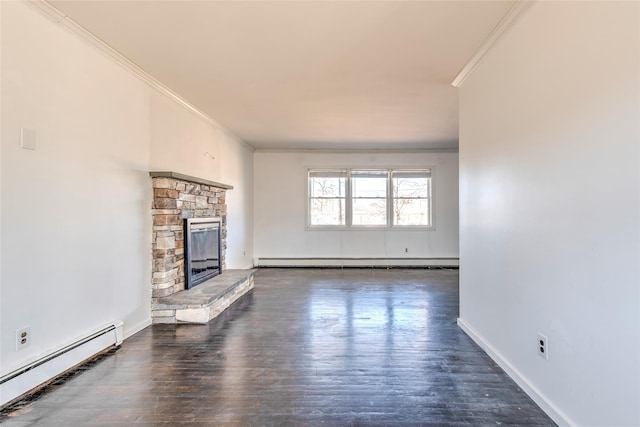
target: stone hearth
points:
(204, 302)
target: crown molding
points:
(516, 11)
(61, 19)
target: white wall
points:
(184, 143)
(550, 209)
(280, 210)
(75, 213)
(75, 225)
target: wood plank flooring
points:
(307, 347)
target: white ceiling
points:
(306, 74)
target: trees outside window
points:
(327, 197)
(411, 198)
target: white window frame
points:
(390, 199)
(351, 198)
(347, 213)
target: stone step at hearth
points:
(204, 302)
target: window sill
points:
(368, 228)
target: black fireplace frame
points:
(197, 225)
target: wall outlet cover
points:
(23, 338)
(543, 346)
(28, 138)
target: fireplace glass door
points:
(202, 250)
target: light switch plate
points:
(28, 138)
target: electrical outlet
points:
(23, 338)
(543, 346)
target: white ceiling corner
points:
(516, 11)
(304, 74)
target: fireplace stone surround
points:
(176, 197)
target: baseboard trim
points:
(137, 328)
(538, 397)
(358, 262)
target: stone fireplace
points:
(177, 197)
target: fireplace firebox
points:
(202, 250)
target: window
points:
(327, 197)
(354, 198)
(369, 197)
(411, 199)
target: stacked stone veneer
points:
(176, 197)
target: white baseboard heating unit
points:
(358, 262)
(38, 372)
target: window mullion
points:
(390, 199)
(348, 203)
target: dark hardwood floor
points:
(307, 347)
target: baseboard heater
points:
(37, 372)
(359, 262)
